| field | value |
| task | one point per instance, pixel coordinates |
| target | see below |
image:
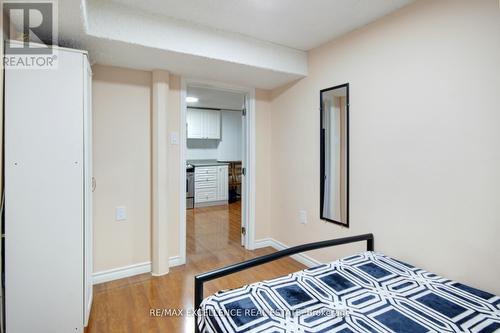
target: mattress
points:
(369, 292)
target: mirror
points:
(334, 186)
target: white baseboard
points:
(128, 271)
(89, 307)
(300, 257)
(121, 272)
(265, 242)
(175, 261)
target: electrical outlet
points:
(303, 216)
(120, 214)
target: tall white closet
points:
(48, 207)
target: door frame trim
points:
(249, 179)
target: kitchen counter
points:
(201, 163)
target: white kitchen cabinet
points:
(211, 124)
(222, 183)
(211, 185)
(48, 185)
(205, 195)
(194, 124)
(203, 124)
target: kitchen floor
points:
(213, 241)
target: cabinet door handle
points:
(94, 184)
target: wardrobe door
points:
(44, 214)
(88, 188)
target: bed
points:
(367, 292)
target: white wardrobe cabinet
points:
(203, 124)
(48, 200)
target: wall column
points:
(159, 232)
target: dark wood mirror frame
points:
(322, 156)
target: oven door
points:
(189, 190)
(190, 185)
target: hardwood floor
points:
(213, 240)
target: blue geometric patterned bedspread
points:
(368, 292)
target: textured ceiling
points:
(300, 24)
(254, 43)
(213, 98)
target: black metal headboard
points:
(202, 278)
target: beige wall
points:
(424, 146)
(173, 156)
(425, 140)
(262, 164)
(122, 166)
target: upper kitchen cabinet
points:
(194, 119)
(211, 121)
(203, 124)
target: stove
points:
(189, 186)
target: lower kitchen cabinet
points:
(222, 183)
(211, 185)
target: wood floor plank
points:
(212, 241)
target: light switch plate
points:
(174, 138)
(120, 213)
(303, 216)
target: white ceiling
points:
(254, 43)
(213, 98)
(300, 24)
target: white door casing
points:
(244, 226)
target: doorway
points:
(217, 136)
